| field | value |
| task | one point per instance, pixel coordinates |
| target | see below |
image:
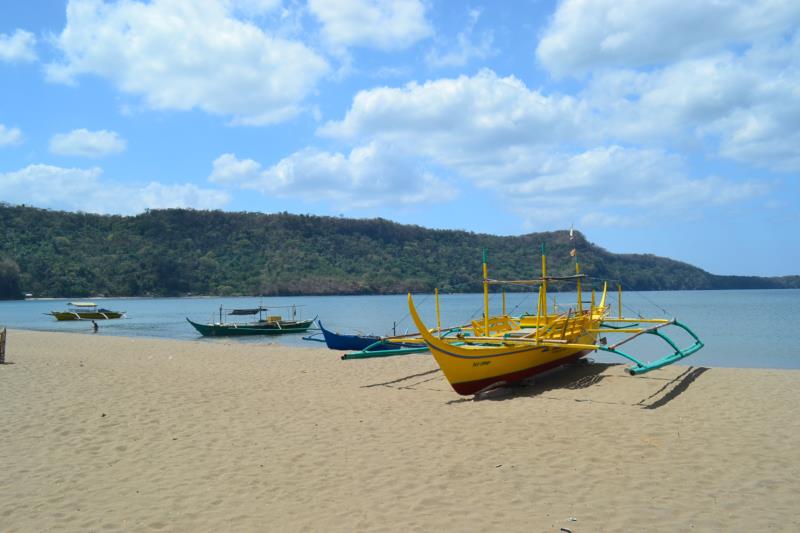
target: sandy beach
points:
(108, 433)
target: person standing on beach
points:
(95, 327)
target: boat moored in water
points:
(264, 324)
(85, 311)
(367, 346)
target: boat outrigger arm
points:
(373, 350)
(607, 325)
(641, 367)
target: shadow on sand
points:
(405, 382)
(574, 376)
(679, 385)
(582, 375)
(585, 375)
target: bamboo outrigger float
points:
(502, 349)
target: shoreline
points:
(595, 357)
(324, 295)
(116, 433)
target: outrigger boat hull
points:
(236, 330)
(368, 346)
(471, 369)
(83, 315)
(339, 341)
(472, 374)
(85, 311)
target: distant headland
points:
(178, 252)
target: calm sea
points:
(754, 328)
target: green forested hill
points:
(180, 251)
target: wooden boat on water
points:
(263, 325)
(501, 349)
(367, 346)
(85, 311)
(341, 341)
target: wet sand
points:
(111, 433)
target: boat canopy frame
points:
(534, 281)
(257, 310)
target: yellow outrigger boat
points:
(502, 349)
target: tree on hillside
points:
(172, 252)
(9, 280)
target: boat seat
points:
(497, 324)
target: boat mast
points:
(485, 295)
(538, 313)
(542, 304)
(438, 316)
(544, 282)
(603, 296)
(574, 253)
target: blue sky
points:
(660, 127)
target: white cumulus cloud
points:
(381, 24)
(87, 143)
(227, 168)
(368, 176)
(82, 189)
(157, 195)
(18, 46)
(184, 55)
(720, 76)
(9, 136)
(587, 35)
(255, 7)
(598, 183)
(467, 47)
(465, 122)
(746, 107)
(552, 158)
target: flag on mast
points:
(574, 251)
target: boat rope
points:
(479, 311)
(406, 316)
(521, 301)
(628, 289)
(645, 298)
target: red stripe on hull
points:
(471, 387)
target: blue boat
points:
(366, 345)
(338, 341)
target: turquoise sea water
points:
(752, 328)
